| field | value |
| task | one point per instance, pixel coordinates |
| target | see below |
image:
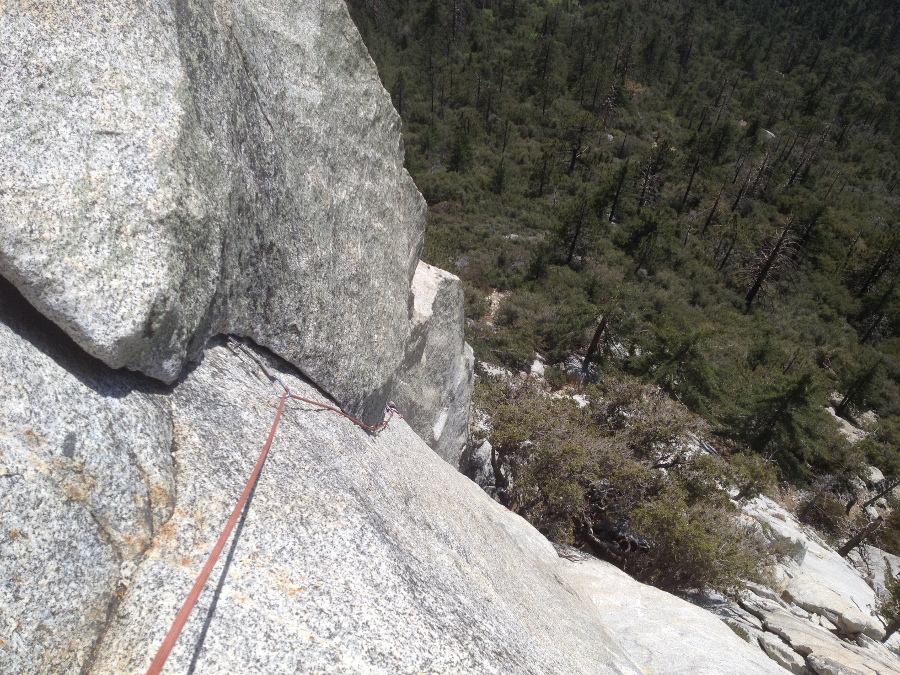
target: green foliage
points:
(461, 151)
(752, 475)
(639, 162)
(674, 359)
(625, 458)
(889, 606)
(693, 546)
(887, 537)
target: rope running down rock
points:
(171, 638)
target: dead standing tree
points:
(770, 261)
(649, 180)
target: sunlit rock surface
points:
(173, 170)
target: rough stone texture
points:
(360, 554)
(808, 640)
(779, 527)
(434, 385)
(874, 565)
(86, 481)
(665, 634)
(173, 170)
(764, 592)
(760, 607)
(782, 654)
(825, 666)
(825, 584)
(827, 625)
(821, 567)
(814, 597)
(874, 476)
(476, 464)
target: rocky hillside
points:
(174, 175)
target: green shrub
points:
(619, 478)
(752, 475)
(889, 606)
(693, 546)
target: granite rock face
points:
(172, 170)
(782, 654)
(359, 554)
(779, 528)
(819, 599)
(874, 566)
(434, 385)
(813, 643)
(86, 483)
(667, 635)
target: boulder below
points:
(434, 384)
(782, 654)
(813, 642)
(874, 565)
(818, 599)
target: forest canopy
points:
(718, 181)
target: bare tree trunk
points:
(690, 183)
(804, 512)
(595, 341)
(623, 172)
(857, 538)
(712, 212)
(741, 192)
(887, 487)
(767, 267)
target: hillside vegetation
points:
(717, 183)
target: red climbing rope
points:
(172, 636)
(374, 430)
(272, 376)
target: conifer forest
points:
(702, 198)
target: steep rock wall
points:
(171, 170)
(358, 553)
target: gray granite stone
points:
(665, 634)
(359, 554)
(822, 665)
(782, 654)
(813, 642)
(817, 598)
(434, 385)
(86, 482)
(172, 170)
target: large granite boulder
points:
(434, 385)
(86, 483)
(874, 565)
(779, 527)
(776, 649)
(815, 643)
(171, 170)
(817, 598)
